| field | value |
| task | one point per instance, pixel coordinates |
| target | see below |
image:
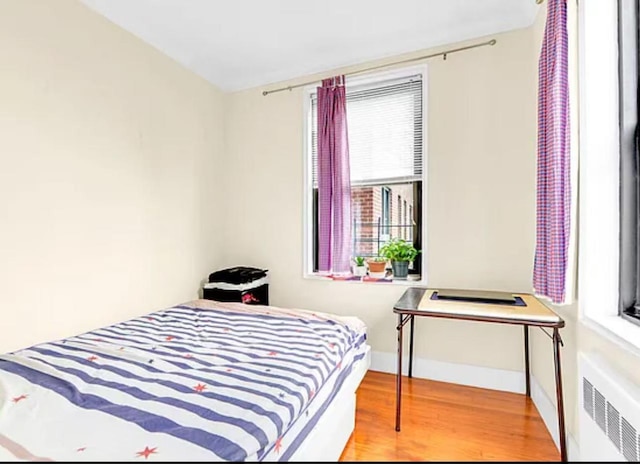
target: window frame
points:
(411, 219)
(307, 187)
(399, 221)
(404, 219)
(599, 177)
(629, 186)
(385, 194)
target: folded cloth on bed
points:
(199, 381)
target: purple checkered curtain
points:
(334, 179)
(554, 176)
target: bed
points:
(200, 381)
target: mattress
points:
(199, 381)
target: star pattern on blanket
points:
(17, 399)
(169, 338)
(138, 347)
(146, 452)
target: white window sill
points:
(614, 328)
(360, 281)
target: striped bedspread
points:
(200, 381)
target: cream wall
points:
(109, 158)
(480, 199)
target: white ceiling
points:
(239, 44)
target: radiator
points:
(609, 412)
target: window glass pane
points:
(372, 227)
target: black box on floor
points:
(238, 284)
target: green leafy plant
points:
(359, 260)
(398, 249)
(377, 259)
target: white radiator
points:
(609, 412)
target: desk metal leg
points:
(559, 397)
(399, 372)
(413, 317)
(527, 371)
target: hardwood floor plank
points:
(445, 422)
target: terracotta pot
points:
(377, 266)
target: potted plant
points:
(359, 268)
(400, 253)
(377, 264)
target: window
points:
(600, 227)
(384, 119)
(629, 187)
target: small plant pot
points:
(377, 266)
(400, 269)
(360, 271)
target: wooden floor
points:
(445, 422)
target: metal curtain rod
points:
(445, 53)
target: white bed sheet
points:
(94, 397)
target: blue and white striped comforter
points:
(200, 381)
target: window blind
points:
(385, 132)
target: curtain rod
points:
(445, 53)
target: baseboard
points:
(482, 377)
(547, 409)
(463, 374)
